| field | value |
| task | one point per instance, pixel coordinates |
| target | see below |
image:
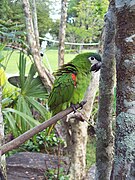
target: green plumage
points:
(71, 82)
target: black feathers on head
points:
(97, 56)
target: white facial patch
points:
(92, 60)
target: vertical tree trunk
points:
(77, 149)
(104, 149)
(35, 22)
(62, 32)
(45, 76)
(3, 175)
(124, 161)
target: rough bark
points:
(124, 159)
(62, 32)
(45, 76)
(3, 175)
(78, 139)
(104, 149)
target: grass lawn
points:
(51, 56)
(12, 59)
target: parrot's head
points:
(95, 60)
(89, 59)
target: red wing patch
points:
(74, 79)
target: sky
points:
(56, 8)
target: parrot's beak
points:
(96, 66)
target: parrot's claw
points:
(82, 104)
(74, 108)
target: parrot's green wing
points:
(62, 92)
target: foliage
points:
(12, 23)
(52, 174)
(54, 31)
(72, 11)
(16, 14)
(2, 72)
(2, 76)
(86, 15)
(91, 152)
(77, 34)
(1, 55)
(21, 106)
(45, 23)
(13, 20)
(4, 9)
(11, 32)
(42, 142)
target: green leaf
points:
(22, 106)
(12, 123)
(2, 46)
(33, 86)
(31, 121)
(30, 85)
(1, 56)
(39, 107)
(30, 77)
(6, 101)
(22, 68)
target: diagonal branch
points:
(27, 135)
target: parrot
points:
(71, 81)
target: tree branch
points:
(27, 135)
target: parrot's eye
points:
(92, 58)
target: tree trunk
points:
(104, 149)
(45, 76)
(35, 22)
(3, 175)
(78, 139)
(124, 160)
(62, 32)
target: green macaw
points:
(72, 80)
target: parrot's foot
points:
(82, 104)
(73, 107)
